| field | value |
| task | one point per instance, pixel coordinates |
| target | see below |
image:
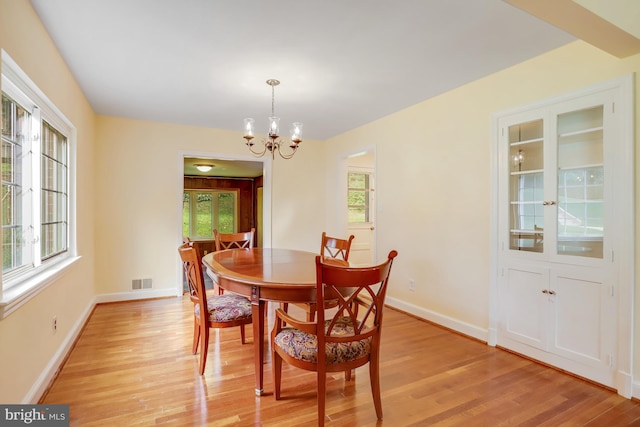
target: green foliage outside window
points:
(213, 209)
(358, 197)
(226, 207)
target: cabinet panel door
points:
(523, 136)
(523, 302)
(583, 317)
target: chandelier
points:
(273, 142)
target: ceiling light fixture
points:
(204, 168)
(273, 143)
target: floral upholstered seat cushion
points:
(226, 307)
(304, 346)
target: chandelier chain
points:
(273, 100)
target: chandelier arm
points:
(258, 153)
(288, 155)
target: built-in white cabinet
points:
(562, 180)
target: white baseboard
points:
(635, 392)
(625, 385)
(468, 329)
(50, 371)
(136, 295)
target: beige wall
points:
(434, 180)
(27, 344)
(139, 182)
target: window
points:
(54, 192)
(36, 199)
(360, 197)
(581, 203)
(204, 210)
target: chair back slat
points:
(240, 240)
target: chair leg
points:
(322, 388)
(217, 287)
(277, 373)
(374, 375)
(311, 313)
(204, 347)
(347, 375)
(196, 335)
(242, 336)
(285, 307)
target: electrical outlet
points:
(412, 285)
(54, 324)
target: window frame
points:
(18, 287)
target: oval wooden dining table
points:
(264, 274)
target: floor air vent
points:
(137, 284)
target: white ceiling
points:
(342, 63)
(223, 168)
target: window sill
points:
(18, 295)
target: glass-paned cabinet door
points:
(526, 186)
(581, 202)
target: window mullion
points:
(27, 193)
(36, 185)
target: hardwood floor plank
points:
(132, 366)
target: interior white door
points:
(362, 246)
(360, 209)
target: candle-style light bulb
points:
(296, 132)
(248, 128)
(274, 126)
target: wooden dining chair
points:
(222, 311)
(332, 250)
(234, 240)
(240, 240)
(335, 249)
(348, 338)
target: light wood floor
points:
(133, 365)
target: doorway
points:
(221, 194)
(229, 193)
